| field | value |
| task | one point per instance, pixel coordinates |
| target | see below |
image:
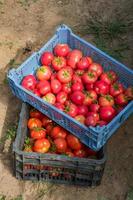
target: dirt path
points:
(24, 26)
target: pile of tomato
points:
(78, 86)
(47, 137)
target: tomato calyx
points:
(58, 60)
(116, 86)
(90, 74)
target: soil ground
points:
(25, 25)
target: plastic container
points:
(52, 167)
(94, 137)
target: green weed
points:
(2, 197)
(10, 134)
(130, 194)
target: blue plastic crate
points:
(94, 137)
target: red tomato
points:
(116, 89)
(96, 68)
(61, 145)
(37, 92)
(34, 123)
(49, 127)
(41, 145)
(83, 63)
(121, 99)
(66, 87)
(50, 98)
(76, 79)
(46, 58)
(89, 77)
(129, 93)
(64, 75)
(29, 82)
(94, 107)
(59, 106)
(38, 133)
(90, 121)
(82, 110)
(43, 87)
(77, 97)
(77, 87)
(69, 153)
(80, 118)
(106, 100)
(107, 113)
(53, 76)
(80, 153)
(36, 114)
(58, 132)
(73, 142)
(73, 58)
(89, 86)
(61, 50)
(58, 63)
(108, 77)
(90, 152)
(101, 123)
(56, 86)
(101, 87)
(43, 73)
(90, 60)
(90, 96)
(45, 120)
(61, 97)
(94, 114)
(71, 109)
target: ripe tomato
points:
(106, 100)
(129, 93)
(73, 142)
(37, 92)
(53, 76)
(36, 114)
(82, 110)
(90, 121)
(61, 50)
(49, 127)
(66, 87)
(94, 107)
(46, 58)
(90, 152)
(80, 153)
(45, 121)
(83, 63)
(90, 96)
(41, 145)
(80, 118)
(77, 87)
(61, 97)
(50, 98)
(58, 63)
(116, 89)
(96, 68)
(90, 60)
(89, 77)
(76, 79)
(121, 99)
(108, 77)
(61, 145)
(55, 86)
(101, 123)
(77, 97)
(38, 133)
(73, 58)
(89, 86)
(58, 132)
(43, 87)
(107, 113)
(69, 153)
(43, 73)
(71, 109)
(29, 82)
(34, 123)
(94, 114)
(101, 87)
(60, 106)
(64, 75)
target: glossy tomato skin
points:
(94, 107)
(89, 86)
(61, 50)
(76, 79)
(71, 109)
(80, 153)
(108, 77)
(90, 97)
(116, 89)
(58, 63)
(101, 123)
(90, 152)
(80, 118)
(101, 87)
(37, 92)
(43, 73)
(82, 110)
(77, 87)
(45, 120)
(83, 63)
(94, 114)
(50, 98)
(56, 86)
(73, 58)
(89, 77)
(61, 97)
(64, 75)
(46, 58)
(43, 87)
(96, 68)
(36, 114)
(73, 142)
(58, 132)
(89, 60)
(41, 145)
(90, 121)
(66, 87)
(121, 99)
(129, 93)
(60, 106)
(34, 123)
(61, 145)
(107, 113)
(49, 127)
(29, 82)
(38, 133)
(106, 100)
(77, 97)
